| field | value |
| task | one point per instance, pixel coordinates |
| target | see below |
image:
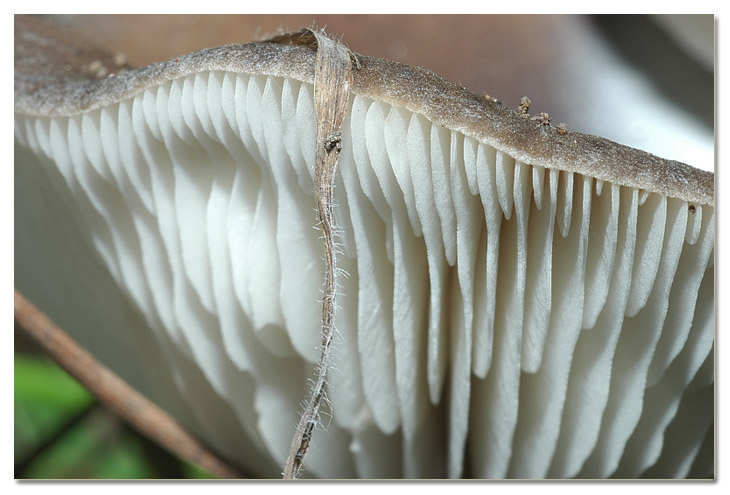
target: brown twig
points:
(332, 79)
(113, 392)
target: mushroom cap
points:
(521, 302)
(40, 91)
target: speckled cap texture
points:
(54, 77)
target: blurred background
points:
(643, 81)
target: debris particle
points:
(562, 128)
(692, 209)
(97, 69)
(541, 118)
(120, 60)
(95, 65)
(489, 97)
(525, 105)
(334, 142)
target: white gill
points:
(496, 319)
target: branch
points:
(332, 80)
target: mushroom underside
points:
(496, 318)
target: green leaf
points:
(46, 398)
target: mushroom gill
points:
(519, 302)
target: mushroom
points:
(520, 301)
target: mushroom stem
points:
(331, 93)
